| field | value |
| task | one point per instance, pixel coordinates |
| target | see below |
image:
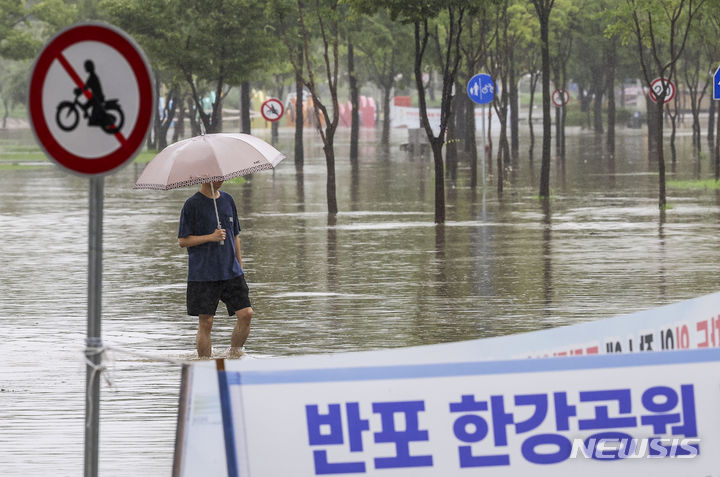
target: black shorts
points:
(203, 297)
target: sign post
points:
(91, 135)
(481, 90)
(93, 345)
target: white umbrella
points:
(208, 158)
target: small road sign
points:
(716, 84)
(481, 88)
(91, 98)
(272, 109)
(560, 97)
(656, 89)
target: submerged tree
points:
(420, 14)
(316, 23)
(543, 9)
(660, 30)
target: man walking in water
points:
(214, 265)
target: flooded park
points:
(381, 275)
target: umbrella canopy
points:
(208, 158)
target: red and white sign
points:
(656, 89)
(272, 109)
(91, 98)
(560, 97)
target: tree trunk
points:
(299, 117)
(5, 114)
(514, 110)
(193, 115)
(597, 111)
(451, 150)
(168, 115)
(711, 122)
(533, 83)
(461, 108)
(501, 151)
(611, 103)
(436, 143)
(385, 140)
(661, 159)
(439, 181)
(245, 107)
(470, 140)
(558, 130)
(179, 129)
(329, 150)
(355, 103)
(150, 141)
(503, 147)
(547, 134)
(652, 119)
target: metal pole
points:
(93, 350)
(483, 145)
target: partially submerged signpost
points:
(481, 90)
(91, 136)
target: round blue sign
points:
(481, 89)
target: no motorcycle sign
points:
(91, 98)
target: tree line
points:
(204, 48)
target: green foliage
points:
(696, 184)
(13, 81)
(385, 52)
(24, 26)
(211, 45)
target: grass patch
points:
(236, 180)
(695, 184)
(145, 156)
(26, 157)
(19, 167)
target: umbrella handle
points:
(217, 216)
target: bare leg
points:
(203, 341)
(241, 331)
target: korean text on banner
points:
(643, 414)
(691, 324)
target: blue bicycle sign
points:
(481, 88)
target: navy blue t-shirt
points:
(210, 261)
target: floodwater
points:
(382, 275)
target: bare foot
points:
(236, 353)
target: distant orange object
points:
(403, 101)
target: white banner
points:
(692, 324)
(640, 414)
(409, 117)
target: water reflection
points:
(379, 274)
(547, 254)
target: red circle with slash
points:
(656, 88)
(61, 54)
(272, 109)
